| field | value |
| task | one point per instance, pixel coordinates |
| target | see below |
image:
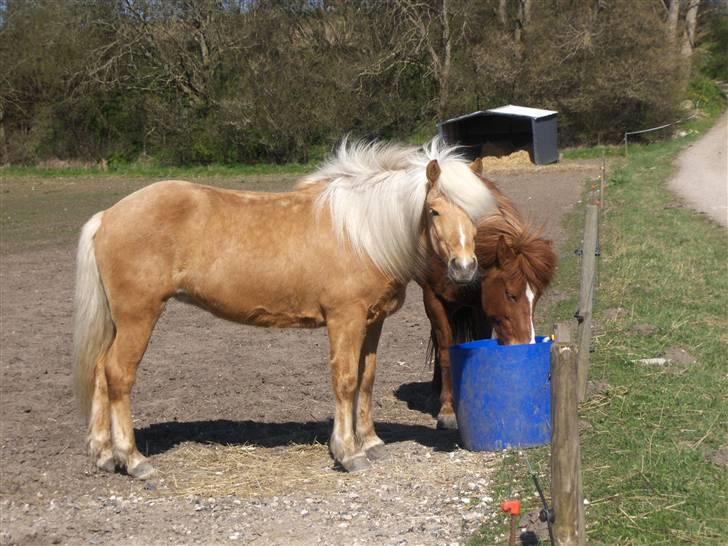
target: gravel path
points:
(702, 174)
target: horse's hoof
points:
(377, 452)
(107, 464)
(355, 464)
(141, 471)
(447, 422)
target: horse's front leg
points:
(346, 336)
(436, 312)
(372, 444)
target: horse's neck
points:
(425, 258)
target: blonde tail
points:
(93, 329)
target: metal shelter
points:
(502, 131)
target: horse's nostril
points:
(460, 264)
(462, 271)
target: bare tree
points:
(503, 12)
(522, 18)
(224, 80)
(673, 11)
(428, 30)
(3, 142)
(691, 18)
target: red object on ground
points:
(512, 507)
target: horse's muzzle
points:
(462, 271)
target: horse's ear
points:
(477, 166)
(503, 252)
(433, 173)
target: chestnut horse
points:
(338, 251)
(516, 266)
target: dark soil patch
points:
(644, 329)
(719, 456)
(615, 314)
(678, 355)
(597, 387)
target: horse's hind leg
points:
(132, 336)
(346, 335)
(99, 429)
(367, 437)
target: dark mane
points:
(535, 256)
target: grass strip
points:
(154, 170)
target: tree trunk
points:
(3, 142)
(691, 18)
(444, 75)
(524, 14)
(503, 12)
(672, 13)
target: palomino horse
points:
(337, 251)
(516, 266)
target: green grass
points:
(645, 456)
(153, 170)
(595, 152)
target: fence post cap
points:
(512, 507)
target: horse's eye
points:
(511, 297)
(433, 212)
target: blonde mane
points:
(376, 192)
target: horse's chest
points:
(461, 295)
(389, 302)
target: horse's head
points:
(450, 231)
(508, 297)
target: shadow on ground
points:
(418, 397)
(161, 437)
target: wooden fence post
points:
(566, 493)
(586, 296)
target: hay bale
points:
(516, 160)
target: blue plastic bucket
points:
(502, 393)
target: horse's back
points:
(258, 258)
(184, 213)
(160, 206)
(139, 244)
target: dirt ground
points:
(234, 418)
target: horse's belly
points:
(258, 315)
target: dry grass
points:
(520, 161)
(247, 471)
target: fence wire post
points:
(586, 297)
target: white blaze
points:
(463, 261)
(530, 295)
